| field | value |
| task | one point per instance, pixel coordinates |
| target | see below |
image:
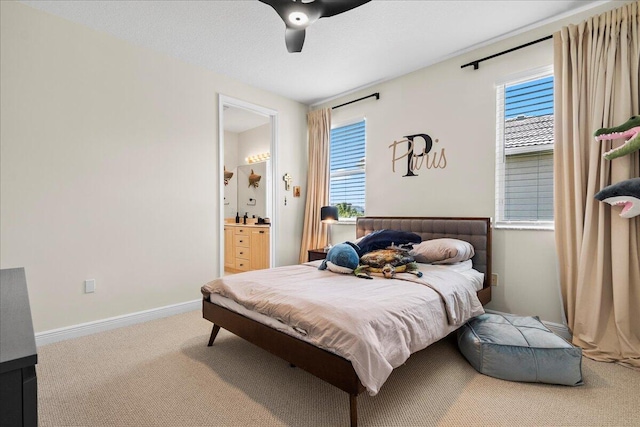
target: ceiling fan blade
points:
(294, 39)
(299, 14)
(280, 6)
(334, 7)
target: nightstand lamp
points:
(328, 215)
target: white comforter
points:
(376, 324)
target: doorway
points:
(246, 150)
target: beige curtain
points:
(314, 233)
(596, 78)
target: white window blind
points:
(529, 187)
(347, 169)
(524, 164)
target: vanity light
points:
(258, 158)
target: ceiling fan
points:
(299, 14)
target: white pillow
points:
(442, 251)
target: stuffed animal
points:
(227, 176)
(254, 179)
(342, 258)
(625, 193)
(387, 262)
(629, 129)
(382, 239)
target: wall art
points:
(419, 154)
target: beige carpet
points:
(162, 373)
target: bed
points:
(296, 340)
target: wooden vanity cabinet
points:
(246, 247)
(229, 253)
(259, 242)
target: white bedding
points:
(476, 278)
(376, 324)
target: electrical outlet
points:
(494, 279)
(89, 286)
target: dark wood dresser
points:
(18, 356)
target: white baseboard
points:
(556, 328)
(75, 331)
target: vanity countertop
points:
(233, 224)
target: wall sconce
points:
(328, 215)
(258, 158)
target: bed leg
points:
(353, 409)
(214, 333)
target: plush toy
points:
(382, 239)
(625, 193)
(227, 176)
(342, 258)
(386, 263)
(254, 179)
(629, 129)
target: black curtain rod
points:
(476, 63)
(377, 95)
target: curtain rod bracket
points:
(377, 95)
(476, 63)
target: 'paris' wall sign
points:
(427, 158)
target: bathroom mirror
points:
(242, 197)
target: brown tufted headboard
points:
(476, 231)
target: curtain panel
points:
(597, 74)
(314, 232)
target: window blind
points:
(347, 169)
(529, 187)
(524, 172)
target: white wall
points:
(231, 157)
(457, 108)
(109, 169)
(254, 141)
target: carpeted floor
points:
(161, 373)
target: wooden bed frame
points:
(328, 366)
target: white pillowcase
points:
(442, 251)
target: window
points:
(524, 164)
(346, 165)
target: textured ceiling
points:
(244, 39)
